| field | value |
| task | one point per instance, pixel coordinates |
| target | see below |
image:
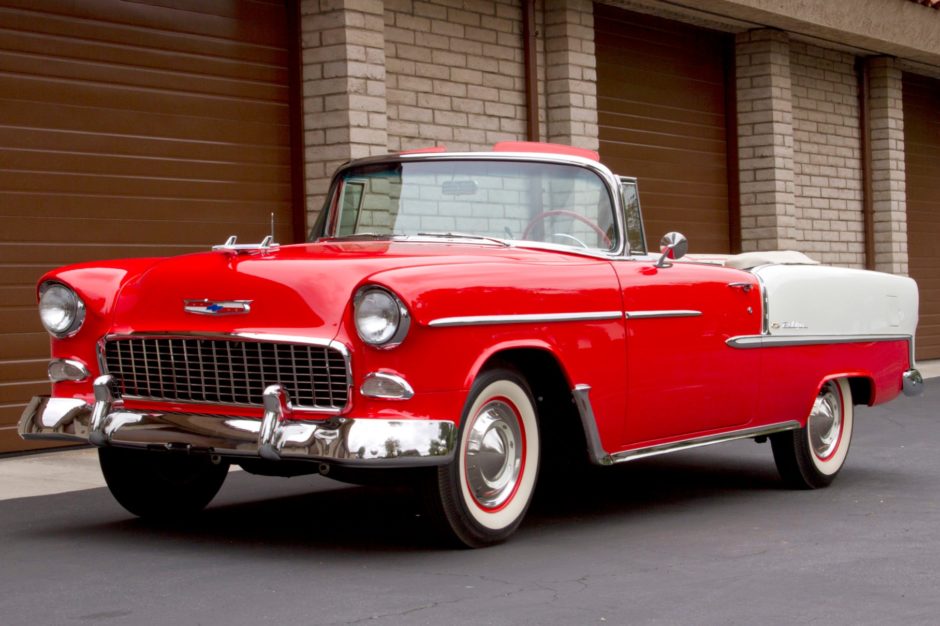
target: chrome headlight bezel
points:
(69, 302)
(369, 301)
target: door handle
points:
(745, 287)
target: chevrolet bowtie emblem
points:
(217, 307)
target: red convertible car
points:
(472, 317)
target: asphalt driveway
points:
(704, 537)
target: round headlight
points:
(61, 310)
(381, 318)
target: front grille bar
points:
(227, 371)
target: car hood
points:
(296, 290)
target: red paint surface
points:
(653, 380)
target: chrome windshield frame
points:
(610, 181)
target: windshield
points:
(508, 200)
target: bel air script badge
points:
(217, 307)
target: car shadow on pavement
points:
(312, 515)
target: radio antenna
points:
(272, 225)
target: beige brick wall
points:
(571, 73)
(455, 73)
(384, 76)
(344, 101)
(765, 140)
(889, 197)
(827, 155)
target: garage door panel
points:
(618, 110)
(144, 231)
(662, 118)
(179, 126)
(20, 319)
(129, 129)
(24, 346)
(35, 369)
(187, 18)
(33, 19)
(44, 205)
(17, 39)
(43, 67)
(664, 165)
(670, 141)
(144, 167)
(115, 145)
(695, 126)
(922, 163)
(665, 44)
(107, 185)
(106, 96)
(15, 292)
(58, 254)
(691, 95)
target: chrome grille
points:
(227, 371)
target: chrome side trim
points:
(765, 302)
(596, 450)
(780, 341)
(536, 318)
(698, 442)
(640, 315)
(599, 456)
(365, 442)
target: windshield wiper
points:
(451, 235)
(364, 237)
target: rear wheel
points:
(161, 486)
(812, 456)
(484, 493)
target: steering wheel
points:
(576, 216)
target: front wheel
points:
(812, 456)
(483, 494)
(161, 486)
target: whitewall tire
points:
(486, 490)
(812, 456)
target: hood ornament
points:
(231, 245)
(217, 307)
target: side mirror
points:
(673, 246)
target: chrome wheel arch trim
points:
(599, 456)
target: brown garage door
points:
(922, 159)
(661, 89)
(130, 129)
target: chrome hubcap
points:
(825, 421)
(494, 454)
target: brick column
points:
(343, 47)
(765, 140)
(886, 112)
(571, 73)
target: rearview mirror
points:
(673, 246)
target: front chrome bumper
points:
(343, 440)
